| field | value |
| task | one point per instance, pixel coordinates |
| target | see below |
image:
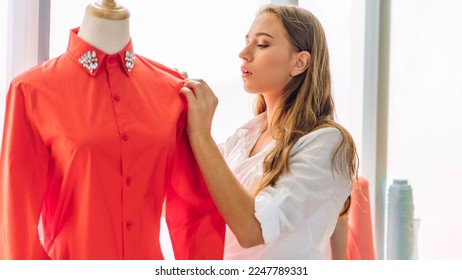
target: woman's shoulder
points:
(329, 136)
(322, 133)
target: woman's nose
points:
(245, 54)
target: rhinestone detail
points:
(89, 61)
(129, 60)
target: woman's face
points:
(268, 57)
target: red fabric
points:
(360, 236)
(94, 153)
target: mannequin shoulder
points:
(41, 73)
(152, 65)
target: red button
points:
(128, 181)
(128, 225)
(117, 98)
(111, 59)
(125, 137)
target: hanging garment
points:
(360, 235)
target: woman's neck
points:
(108, 35)
(270, 107)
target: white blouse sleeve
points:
(310, 185)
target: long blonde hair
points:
(306, 103)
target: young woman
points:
(282, 179)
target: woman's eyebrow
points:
(260, 34)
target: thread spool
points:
(400, 221)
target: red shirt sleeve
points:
(196, 227)
(24, 161)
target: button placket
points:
(120, 103)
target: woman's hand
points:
(235, 203)
(202, 103)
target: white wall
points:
(3, 42)
(425, 129)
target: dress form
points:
(106, 26)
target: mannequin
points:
(105, 26)
(94, 142)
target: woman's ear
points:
(301, 64)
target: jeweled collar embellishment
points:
(129, 60)
(89, 61)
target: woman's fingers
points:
(186, 91)
(201, 106)
(201, 90)
(195, 84)
(183, 74)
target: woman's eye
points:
(263, 46)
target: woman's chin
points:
(251, 90)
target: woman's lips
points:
(245, 72)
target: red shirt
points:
(93, 143)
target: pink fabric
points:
(360, 236)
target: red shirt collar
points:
(91, 59)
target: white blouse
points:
(299, 213)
